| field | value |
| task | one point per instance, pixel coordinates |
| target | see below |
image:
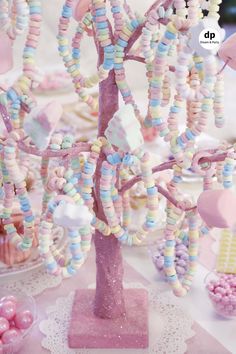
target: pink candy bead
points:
(8, 309)
(23, 319)
(222, 293)
(4, 325)
(11, 336)
(9, 298)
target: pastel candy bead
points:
(217, 208)
(4, 325)
(9, 298)
(227, 51)
(23, 319)
(42, 122)
(6, 53)
(8, 309)
(11, 336)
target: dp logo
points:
(210, 38)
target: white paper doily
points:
(33, 283)
(169, 327)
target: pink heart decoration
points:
(80, 9)
(6, 53)
(227, 51)
(217, 208)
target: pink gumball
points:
(4, 325)
(12, 324)
(8, 309)
(23, 319)
(9, 298)
(11, 336)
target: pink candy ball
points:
(9, 298)
(8, 309)
(222, 294)
(23, 319)
(11, 336)
(4, 325)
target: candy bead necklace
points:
(13, 178)
(106, 188)
(71, 61)
(173, 218)
(19, 92)
(79, 238)
(14, 17)
(102, 73)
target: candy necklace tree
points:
(86, 185)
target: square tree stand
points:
(130, 331)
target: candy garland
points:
(71, 60)
(79, 239)
(119, 69)
(108, 194)
(20, 91)
(213, 8)
(14, 20)
(228, 170)
(65, 53)
(14, 183)
(173, 218)
(58, 181)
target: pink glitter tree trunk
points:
(109, 299)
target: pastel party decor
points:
(86, 183)
(42, 122)
(124, 130)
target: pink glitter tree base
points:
(127, 331)
(109, 317)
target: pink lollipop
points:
(227, 51)
(217, 208)
(6, 53)
(80, 9)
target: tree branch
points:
(142, 60)
(164, 166)
(134, 57)
(171, 199)
(169, 165)
(80, 147)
